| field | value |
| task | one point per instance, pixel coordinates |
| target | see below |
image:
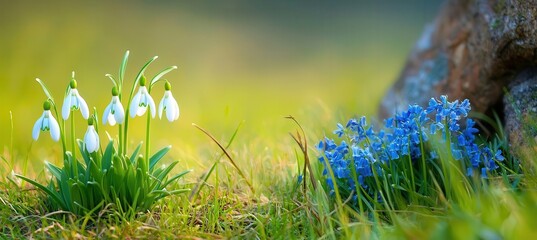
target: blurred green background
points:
(239, 61)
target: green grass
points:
(278, 207)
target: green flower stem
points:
(74, 162)
(73, 135)
(145, 164)
(120, 148)
(62, 127)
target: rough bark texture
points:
(474, 49)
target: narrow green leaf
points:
(135, 154)
(50, 193)
(123, 68)
(83, 151)
(166, 171)
(201, 183)
(107, 156)
(153, 160)
(45, 89)
(175, 178)
(168, 193)
(159, 75)
(65, 190)
(142, 70)
(112, 79)
(56, 171)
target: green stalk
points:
(423, 164)
(147, 139)
(62, 127)
(134, 85)
(120, 148)
(73, 135)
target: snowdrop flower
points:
(141, 101)
(73, 101)
(168, 104)
(114, 112)
(46, 123)
(91, 138)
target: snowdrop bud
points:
(91, 138)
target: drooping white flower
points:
(168, 104)
(73, 101)
(114, 112)
(46, 122)
(91, 138)
(141, 101)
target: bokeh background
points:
(249, 62)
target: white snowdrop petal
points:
(66, 108)
(111, 120)
(83, 107)
(170, 111)
(151, 106)
(141, 110)
(135, 104)
(176, 110)
(37, 128)
(161, 107)
(54, 127)
(119, 112)
(106, 113)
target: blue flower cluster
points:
(406, 136)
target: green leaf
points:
(107, 156)
(164, 193)
(56, 171)
(153, 160)
(201, 183)
(112, 79)
(159, 75)
(142, 70)
(50, 193)
(175, 178)
(166, 170)
(83, 151)
(135, 154)
(45, 89)
(123, 68)
(65, 190)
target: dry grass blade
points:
(300, 139)
(227, 155)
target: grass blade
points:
(227, 155)
(159, 75)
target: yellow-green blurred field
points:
(239, 62)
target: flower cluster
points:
(92, 177)
(405, 137)
(113, 113)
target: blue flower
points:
(340, 130)
(405, 135)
